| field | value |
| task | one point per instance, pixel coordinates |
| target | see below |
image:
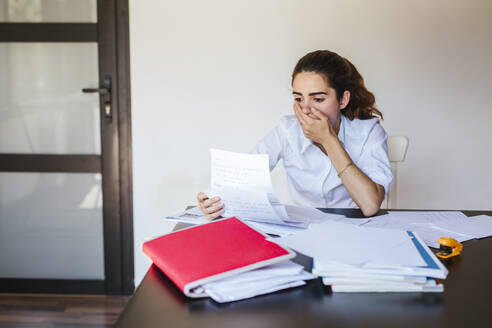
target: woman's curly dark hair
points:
(341, 75)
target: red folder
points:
(194, 256)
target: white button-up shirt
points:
(311, 177)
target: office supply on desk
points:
(448, 247)
(201, 254)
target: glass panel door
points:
(59, 11)
(51, 226)
(60, 159)
(42, 108)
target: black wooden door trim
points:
(110, 151)
(117, 177)
(48, 32)
(50, 163)
(125, 146)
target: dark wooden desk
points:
(466, 301)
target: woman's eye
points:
(319, 100)
(297, 99)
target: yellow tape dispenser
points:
(449, 247)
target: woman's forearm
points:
(367, 194)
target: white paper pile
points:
(359, 259)
(299, 218)
(433, 225)
(261, 281)
(383, 285)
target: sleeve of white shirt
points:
(374, 160)
(272, 145)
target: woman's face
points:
(311, 90)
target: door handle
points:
(102, 91)
(105, 89)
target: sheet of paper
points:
(479, 226)
(475, 227)
(436, 218)
(247, 204)
(256, 290)
(238, 170)
(429, 225)
(193, 215)
(431, 234)
(243, 183)
(275, 229)
(404, 254)
(344, 243)
(257, 282)
(309, 214)
(357, 222)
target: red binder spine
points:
(159, 262)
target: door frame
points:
(112, 34)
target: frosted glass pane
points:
(51, 226)
(55, 11)
(42, 107)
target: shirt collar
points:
(341, 131)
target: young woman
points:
(333, 149)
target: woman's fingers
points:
(204, 201)
(214, 215)
(201, 196)
(320, 115)
(211, 207)
(210, 202)
(299, 114)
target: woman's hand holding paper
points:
(211, 207)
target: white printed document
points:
(240, 171)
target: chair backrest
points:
(397, 148)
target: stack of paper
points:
(433, 225)
(299, 218)
(382, 285)
(261, 281)
(357, 259)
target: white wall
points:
(217, 74)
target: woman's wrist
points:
(331, 142)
